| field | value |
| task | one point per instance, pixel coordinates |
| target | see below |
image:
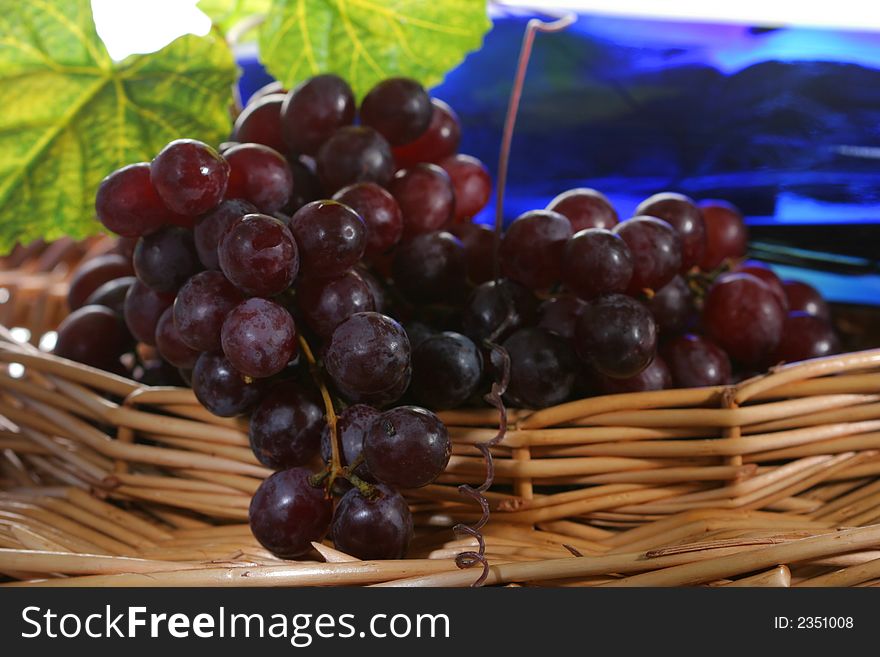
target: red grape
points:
(617, 335)
(170, 344)
(258, 337)
(259, 255)
(585, 208)
(762, 271)
(804, 336)
(672, 306)
(398, 108)
(331, 238)
(94, 273)
(430, 268)
(655, 376)
(726, 234)
(352, 425)
(189, 176)
(285, 429)
(532, 248)
(93, 335)
(595, 262)
(656, 252)
(354, 154)
(806, 298)
(128, 204)
(166, 259)
(220, 388)
(696, 361)
(681, 213)
(447, 368)
(260, 122)
(313, 111)
(440, 140)
(425, 196)
(559, 315)
(260, 175)
(541, 368)
(378, 527)
(498, 307)
(471, 182)
(112, 294)
(211, 226)
(380, 212)
(142, 309)
(326, 302)
(479, 244)
(200, 308)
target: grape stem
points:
(336, 467)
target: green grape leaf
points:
(366, 41)
(72, 115)
(227, 13)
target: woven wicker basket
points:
(773, 482)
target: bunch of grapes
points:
(324, 276)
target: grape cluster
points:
(324, 276)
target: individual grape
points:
(498, 307)
(326, 302)
(440, 140)
(425, 197)
(672, 306)
(367, 354)
(770, 279)
(655, 376)
(559, 315)
(805, 298)
(211, 226)
(447, 368)
(430, 268)
(306, 186)
(744, 317)
(541, 368)
(685, 217)
(471, 182)
(288, 513)
(142, 309)
(532, 248)
(94, 336)
(112, 294)
(595, 262)
(260, 175)
(656, 252)
(220, 388)
(166, 259)
(285, 428)
(170, 345)
(313, 111)
(258, 337)
(407, 447)
(200, 308)
(696, 361)
(380, 212)
(617, 335)
(398, 108)
(128, 204)
(189, 176)
(378, 527)
(354, 154)
(585, 208)
(352, 425)
(726, 234)
(479, 246)
(331, 238)
(259, 255)
(260, 122)
(804, 336)
(94, 273)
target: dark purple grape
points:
(655, 376)
(288, 513)
(585, 208)
(672, 305)
(447, 369)
(260, 175)
(166, 259)
(367, 354)
(326, 302)
(157, 372)
(398, 108)
(142, 309)
(617, 335)
(726, 234)
(200, 308)
(313, 111)
(92, 274)
(189, 176)
(222, 389)
(259, 255)
(331, 238)
(377, 291)
(370, 528)
(770, 279)
(559, 315)
(479, 250)
(128, 204)
(259, 337)
(440, 140)
(285, 429)
(210, 228)
(743, 315)
(418, 332)
(354, 154)
(380, 213)
(260, 122)
(498, 307)
(112, 294)
(306, 186)
(805, 298)
(425, 196)
(656, 252)
(685, 217)
(596, 262)
(93, 335)
(407, 447)
(804, 336)
(471, 182)
(541, 368)
(170, 345)
(532, 248)
(696, 362)
(352, 425)
(430, 268)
